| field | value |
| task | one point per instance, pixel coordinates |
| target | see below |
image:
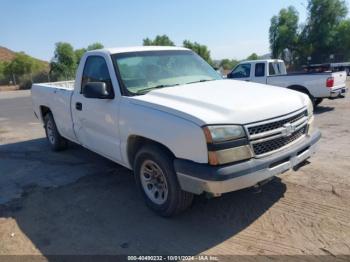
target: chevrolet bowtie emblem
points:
(288, 129)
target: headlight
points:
(310, 109)
(310, 115)
(310, 126)
(226, 144)
(217, 134)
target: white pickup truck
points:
(164, 113)
(273, 72)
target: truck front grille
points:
(275, 144)
(269, 136)
(274, 125)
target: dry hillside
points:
(6, 54)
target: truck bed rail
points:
(62, 84)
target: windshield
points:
(141, 72)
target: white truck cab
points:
(273, 72)
(164, 113)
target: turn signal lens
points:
(229, 155)
(213, 159)
(207, 135)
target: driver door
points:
(96, 120)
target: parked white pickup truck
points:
(167, 115)
(273, 72)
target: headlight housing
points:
(310, 109)
(310, 115)
(217, 134)
(226, 144)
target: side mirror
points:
(97, 90)
(229, 75)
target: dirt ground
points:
(76, 202)
(8, 88)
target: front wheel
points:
(157, 180)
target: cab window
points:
(260, 69)
(241, 71)
(96, 70)
(272, 71)
(277, 68)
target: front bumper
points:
(338, 93)
(198, 178)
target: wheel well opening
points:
(135, 143)
(300, 89)
(44, 110)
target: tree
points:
(95, 46)
(8, 72)
(320, 32)
(253, 56)
(79, 53)
(160, 40)
(228, 64)
(2, 67)
(63, 65)
(21, 65)
(342, 40)
(201, 50)
(283, 34)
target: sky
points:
(230, 28)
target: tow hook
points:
(301, 164)
(258, 187)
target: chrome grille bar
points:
(269, 136)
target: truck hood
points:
(223, 101)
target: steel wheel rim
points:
(154, 182)
(50, 132)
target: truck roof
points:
(118, 50)
(263, 61)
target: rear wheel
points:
(306, 92)
(157, 180)
(56, 141)
(318, 101)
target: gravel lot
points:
(76, 202)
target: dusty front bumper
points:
(198, 178)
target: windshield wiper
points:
(142, 91)
(199, 81)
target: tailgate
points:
(339, 79)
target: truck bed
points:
(56, 96)
(314, 82)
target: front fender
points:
(183, 138)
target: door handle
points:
(78, 106)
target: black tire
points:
(313, 100)
(318, 101)
(56, 141)
(177, 200)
